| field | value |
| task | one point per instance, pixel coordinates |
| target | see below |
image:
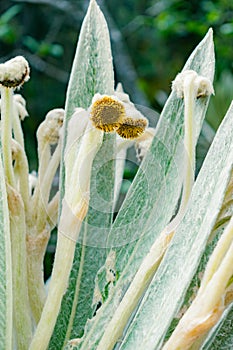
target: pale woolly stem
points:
(17, 128)
(36, 247)
(60, 275)
(37, 242)
(218, 255)
(45, 187)
(21, 171)
(53, 211)
(44, 155)
(73, 212)
(189, 148)
(136, 289)
(22, 312)
(6, 132)
(207, 307)
(153, 258)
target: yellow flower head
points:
(107, 113)
(117, 113)
(132, 128)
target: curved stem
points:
(208, 305)
(52, 212)
(22, 312)
(190, 92)
(44, 186)
(153, 258)
(37, 242)
(6, 134)
(60, 276)
(136, 289)
(44, 156)
(36, 246)
(17, 129)
(21, 170)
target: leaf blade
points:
(92, 72)
(167, 290)
(137, 211)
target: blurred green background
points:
(150, 41)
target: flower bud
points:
(202, 86)
(14, 73)
(49, 130)
(20, 106)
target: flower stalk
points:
(19, 113)
(22, 313)
(6, 133)
(209, 304)
(189, 88)
(13, 74)
(74, 210)
(21, 174)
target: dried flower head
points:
(132, 128)
(201, 85)
(204, 87)
(107, 113)
(14, 73)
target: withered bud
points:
(49, 130)
(15, 72)
(20, 106)
(202, 86)
(132, 128)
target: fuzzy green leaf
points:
(167, 290)
(5, 269)
(153, 196)
(92, 72)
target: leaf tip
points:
(210, 33)
(93, 5)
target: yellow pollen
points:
(107, 114)
(132, 128)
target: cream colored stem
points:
(60, 276)
(44, 156)
(45, 187)
(18, 132)
(208, 305)
(150, 263)
(21, 170)
(72, 215)
(218, 254)
(136, 289)
(37, 243)
(22, 312)
(6, 132)
(52, 212)
(190, 92)
(36, 246)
